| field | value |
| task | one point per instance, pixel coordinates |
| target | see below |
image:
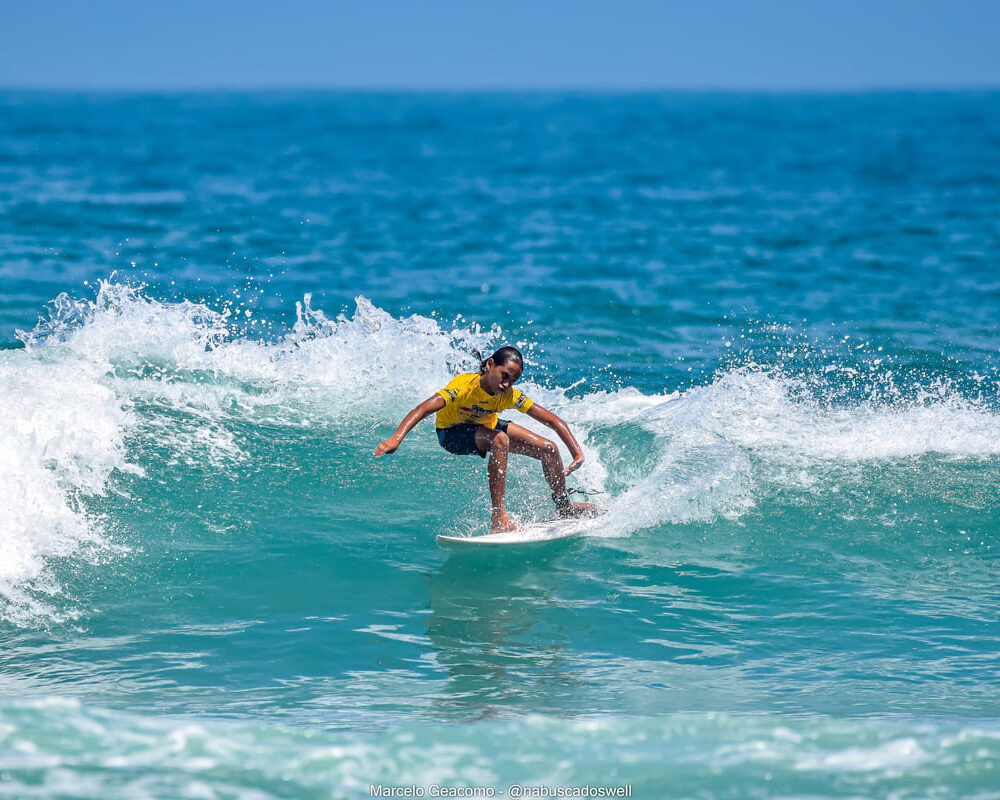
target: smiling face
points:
(498, 379)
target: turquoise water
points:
(770, 320)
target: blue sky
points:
(506, 44)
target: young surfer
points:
(468, 424)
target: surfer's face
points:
(500, 378)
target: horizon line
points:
(388, 88)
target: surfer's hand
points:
(576, 463)
(388, 446)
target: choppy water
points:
(770, 320)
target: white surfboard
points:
(531, 533)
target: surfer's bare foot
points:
(502, 522)
(579, 510)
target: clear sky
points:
(504, 44)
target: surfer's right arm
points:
(431, 405)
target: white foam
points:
(69, 399)
(897, 755)
(368, 363)
(62, 437)
(763, 411)
(74, 749)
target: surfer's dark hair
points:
(500, 357)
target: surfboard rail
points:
(531, 533)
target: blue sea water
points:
(770, 320)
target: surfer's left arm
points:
(546, 417)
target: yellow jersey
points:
(466, 403)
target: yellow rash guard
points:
(465, 403)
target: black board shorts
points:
(461, 439)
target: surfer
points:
(467, 423)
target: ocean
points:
(771, 320)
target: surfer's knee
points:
(500, 443)
(549, 450)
